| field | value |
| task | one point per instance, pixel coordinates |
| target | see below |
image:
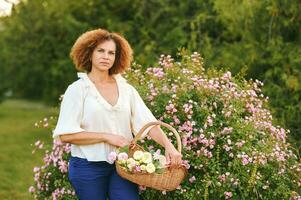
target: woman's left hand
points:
(173, 157)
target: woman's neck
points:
(100, 76)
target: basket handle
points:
(137, 137)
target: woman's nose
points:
(106, 55)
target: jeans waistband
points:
(84, 161)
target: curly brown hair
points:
(82, 50)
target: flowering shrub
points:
(51, 179)
(231, 146)
(141, 162)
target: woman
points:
(96, 116)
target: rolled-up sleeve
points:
(140, 114)
(71, 110)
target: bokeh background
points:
(259, 39)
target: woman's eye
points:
(100, 50)
(112, 53)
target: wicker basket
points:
(171, 177)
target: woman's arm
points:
(84, 138)
(173, 157)
(141, 115)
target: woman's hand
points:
(173, 157)
(117, 140)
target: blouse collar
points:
(89, 84)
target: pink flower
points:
(240, 144)
(137, 168)
(122, 156)
(228, 114)
(228, 195)
(192, 179)
(158, 72)
(222, 178)
(226, 130)
(177, 121)
(31, 189)
(204, 141)
(158, 152)
(37, 143)
(63, 166)
(209, 155)
(142, 187)
(112, 157)
(210, 121)
(41, 146)
(36, 169)
(150, 147)
(245, 161)
(186, 164)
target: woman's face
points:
(103, 56)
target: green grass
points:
(17, 136)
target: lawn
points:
(18, 134)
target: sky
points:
(5, 6)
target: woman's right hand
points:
(117, 140)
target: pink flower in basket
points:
(112, 157)
(138, 168)
(123, 156)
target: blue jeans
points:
(99, 181)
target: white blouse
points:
(83, 108)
